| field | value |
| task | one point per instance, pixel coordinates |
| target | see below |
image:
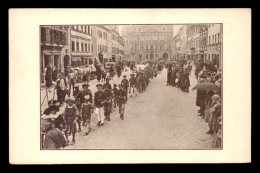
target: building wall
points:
(81, 45)
(214, 43)
(148, 41)
(54, 46)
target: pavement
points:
(163, 117)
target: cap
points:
(85, 85)
(70, 99)
(99, 85)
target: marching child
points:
(86, 110)
(115, 95)
(132, 82)
(70, 114)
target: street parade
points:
(156, 99)
(80, 107)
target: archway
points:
(165, 56)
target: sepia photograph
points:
(91, 86)
(131, 86)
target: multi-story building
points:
(54, 48)
(176, 47)
(193, 39)
(121, 43)
(214, 45)
(81, 45)
(102, 43)
(203, 42)
(183, 41)
(115, 45)
(148, 41)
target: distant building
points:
(148, 41)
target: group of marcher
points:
(56, 126)
(209, 101)
(178, 75)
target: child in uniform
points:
(86, 110)
(70, 115)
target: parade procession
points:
(131, 87)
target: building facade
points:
(121, 43)
(193, 40)
(102, 42)
(148, 41)
(115, 45)
(81, 45)
(214, 45)
(55, 48)
(203, 42)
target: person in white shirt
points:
(63, 86)
(88, 73)
(71, 80)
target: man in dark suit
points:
(108, 103)
(121, 101)
(107, 84)
(125, 85)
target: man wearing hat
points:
(108, 103)
(99, 100)
(70, 115)
(132, 82)
(125, 85)
(107, 84)
(83, 93)
(121, 101)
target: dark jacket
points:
(107, 85)
(100, 98)
(121, 96)
(83, 93)
(125, 83)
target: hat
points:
(85, 85)
(132, 74)
(46, 124)
(70, 99)
(99, 85)
(107, 79)
(124, 75)
(115, 85)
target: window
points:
(86, 49)
(83, 29)
(82, 47)
(215, 38)
(218, 38)
(77, 46)
(89, 30)
(73, 46)
(91, 47)
(209, 40)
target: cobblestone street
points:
(163, 117)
